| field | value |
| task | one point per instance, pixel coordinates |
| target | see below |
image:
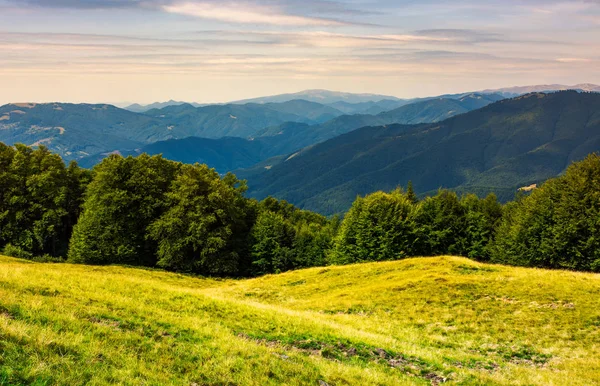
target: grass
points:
(417, 321)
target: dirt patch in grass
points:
(519, 355)
(341, 351)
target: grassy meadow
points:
(418, 321)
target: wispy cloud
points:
(82, 4)
(142, 49)
(246, 14)
(573, 60)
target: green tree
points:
(482, 219)
(125, 196)
(206, 225)
(441, 222)
(378, 227)
(39, 199)
(285, 237)
(410, 193)
(272, 243)
(558, 225)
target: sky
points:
(120, 51)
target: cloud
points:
(573, 60)
(464, 35)
(246, 13)
(82, 4)
(268, 12)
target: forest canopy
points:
(149, 211)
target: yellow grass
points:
(416, 321)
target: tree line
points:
(149, 211)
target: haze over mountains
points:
(368, 103)
(81, 130)
(319, 155)
(138, 108)
(520, 90)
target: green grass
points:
(416, 321)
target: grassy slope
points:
(413, 321)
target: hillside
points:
(80, 130)
(511, 143)
(234, 120)
(437, 109)
(227, 154)
(223, 154)
(289, 137)
(74, 130)
(370, 107)
(417, 321)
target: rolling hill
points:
(223, 154)
(276, 140)
(508, 144)
(294, 136)
(74, 130)
(422, 321)
(217, 121)
(79, 130)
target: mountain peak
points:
(320, 96)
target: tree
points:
(558, 225)
(125, 196)
(378, 227)
(206, 224)
(482, 219)
(272, 244)
(285, 237)
(39, 200)
(441, 223)
(410, 193)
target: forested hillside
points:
(79, 130)
(223, 154)
(149, 211)
(499, 148)
(91, 132)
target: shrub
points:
(14, 251)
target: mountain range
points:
(285, 138)
(80, 130)
(138, 108)
(319, 157)
(293, 136)
(350, 103)
(320, 96)
(77, 131)
(520, 90)
(498, 148)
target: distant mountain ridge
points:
(138, 108)
(290, 137)
(80, 130)
(353, 103)
(520, 90)
(319, 96)
(500, 147)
